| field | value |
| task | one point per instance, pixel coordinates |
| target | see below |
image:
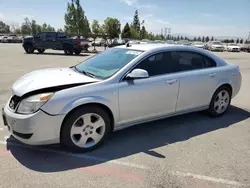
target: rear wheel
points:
(220, 101)
(29, 49)
(40, 51)
(85, 129)
(77, 51)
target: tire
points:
(29, 49)
(68, 50)
(75, 129)
(220, 100)
(77, 51)
(40, 51)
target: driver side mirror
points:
(137, 74)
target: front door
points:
(151, 97)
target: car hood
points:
(217, 45)
(233, 47)
(199, 45)
(49, 78)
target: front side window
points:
(41, 35)
(158, 64)
(107, 63)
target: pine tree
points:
(76, 23)
(126, 33)
(203, 39)
(207, 39)
(237, 41)
(241, 41)
(136, 22)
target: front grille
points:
(14, 101)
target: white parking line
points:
(207, 178)
(83, 156)
(88, 157)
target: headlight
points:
(33, 103)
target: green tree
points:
(150, 36)
(4, 28)
(195, 39)
(143, 33)
(112, 27)
(60, 30)
(34, 27)
(241, 41)
(26, 27)
(126, 33)
(38, 28)
(203, 39)
(44, 27)
(134, 33)
(182, 38)
(95, 27)
(136, 22)
(76, 23)
(237, 41)
(199, 38)
(212, 39)
(178, 38)
(207, 39)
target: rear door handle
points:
(170, 82)
(212, 74)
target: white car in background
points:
(215, 46)
(233, 47)
(198, 44)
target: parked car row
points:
(12, 38)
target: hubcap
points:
(221, 101)
(87, 130)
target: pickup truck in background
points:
(55, 41)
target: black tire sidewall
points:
(211, 109)
(29, 48)
(68, 123)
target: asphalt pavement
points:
(187, 151)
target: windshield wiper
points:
(85, 72)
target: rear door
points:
(198, 80)
(59, 40)
(50, 40)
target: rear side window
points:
(50, 35)
(61, 35)
(209, 62)
(192, 61)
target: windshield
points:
(107, 63)
(217, 43)
(232, 44)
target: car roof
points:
(158, 47)
(149, 46)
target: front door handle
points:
(212, 74)
(170, 82)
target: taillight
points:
(79, 42)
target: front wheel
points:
(220, 101)
(29, 49)
(85, 129)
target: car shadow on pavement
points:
(60, 54)
(143, 138)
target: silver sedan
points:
(80, 106)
